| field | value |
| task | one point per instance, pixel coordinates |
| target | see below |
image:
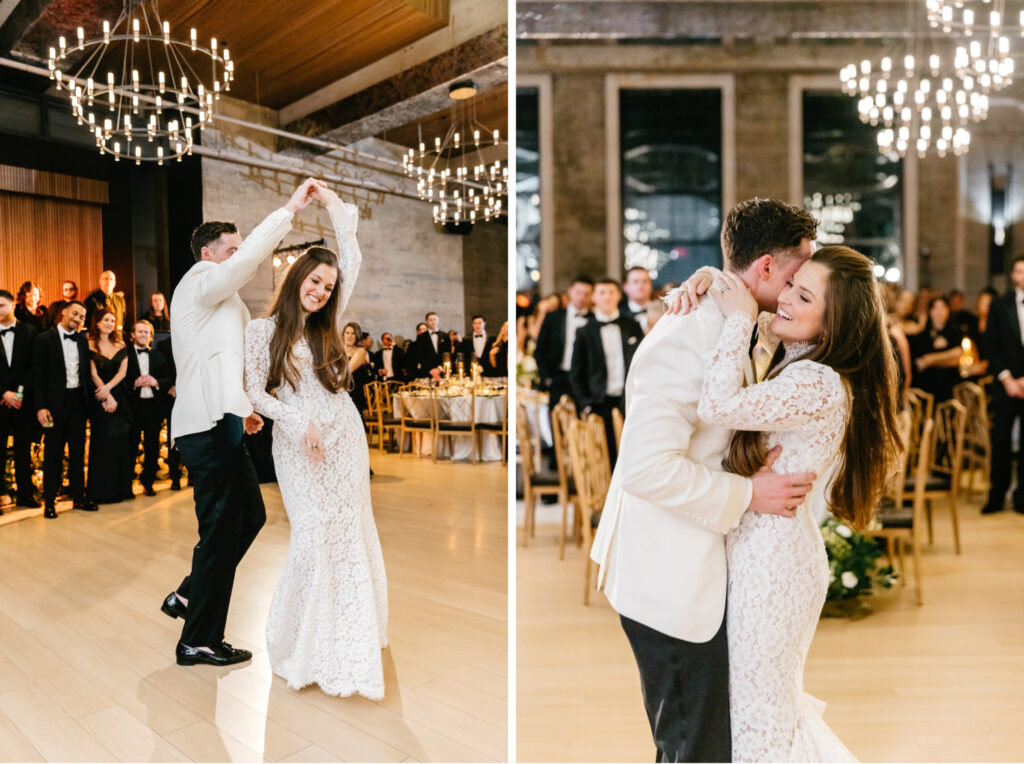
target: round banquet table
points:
(490, 409)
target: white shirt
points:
(639, 313)
(8, 342)
(207, 327)
(1019, 302)
(70, 358)
(614, 360)
(479, 340)
(386, 356)
(573, 320)
(433, 339)
(143, 358)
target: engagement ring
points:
(723, 288)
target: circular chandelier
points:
(136, 87)
(454, 173)
(985, 50)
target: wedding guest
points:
(389, 360)
(148, 379)
(936, 352)
(906, 312)
(556, 338)
(637, 298)
(528, 325)
(601, 356)
(420, 328)
(110, 468)
(173, 455)
(16, 340)
(497, 356)
(430, 347)
(960, 317)
(455, 339)
(106, 297)
(68, 292)
(61, 393)
(981, 307)
(358, 364)
(29, 310)
(1005, 350)
(158, 315)
(478, 344)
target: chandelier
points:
(136, 87)
(454, 173)
(985, 52)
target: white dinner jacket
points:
(208, 320)
(661, 540)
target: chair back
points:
(617, 423)
(895, 487)
(972, 396)
(948, 439)
(524, 436)
(586, 452)
(601, 443)
(456, 411)
(921, 471)
(561, 418)
(569, 404)
(416, 412)
(920, 405)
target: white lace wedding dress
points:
(329, 613)
(778, 570)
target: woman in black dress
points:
(158, 314)
(111, 467)
(936, 352)
(28, 309)
(497, 360)
(358, 363)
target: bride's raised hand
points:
(732, 296)
(685, 298)
(311, 444)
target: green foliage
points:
(853, 569)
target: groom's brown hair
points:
(758, 227)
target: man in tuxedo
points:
(430, 347)
(556, 337)
(69, 291)
(478, 344)
(636, 301)
(661, 538)
(1004, 344)
(149, 379)
(388, 360)
(106, 297)
(173, 455)
(61, 395)
(210, 415)
(16, 340)
(601, 356)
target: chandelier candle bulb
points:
(194, 37)
(106, 32)
(81, 37)
(135, 30)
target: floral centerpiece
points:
(853, 570)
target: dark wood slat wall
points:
(49, 240)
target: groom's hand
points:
(303, 195)
(776, 494)
(253, 423)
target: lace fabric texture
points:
(778, 570)
(328, 616)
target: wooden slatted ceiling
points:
(491, 111)
(284, 51)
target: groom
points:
(661, 540)
(210, 413)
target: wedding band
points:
(723, 288)
(316, 445)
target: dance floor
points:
(942, 682)
(87, 668)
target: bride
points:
(328, 617)
(830, 397)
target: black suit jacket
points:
(158, 367)
(397, 362)
(1002, 338)
(550, 345)
(589, 373)
(50, 374)
(19, 372)
(424, 354)
(466, 347)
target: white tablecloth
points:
(490, 409)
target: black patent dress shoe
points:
(173, 606)
(222, 655)
(991, 508)
(30, 503)
(88, 505)
(148, 490)
(175, 485)
(50, 512)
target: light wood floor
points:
(87, 668)
(942, 682)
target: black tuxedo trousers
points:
(149, 419)
(19, 423)
(686, 692)
(230, 511)
(68, 429)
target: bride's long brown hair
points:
(856, 345)
(319, 328)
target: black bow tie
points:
(70, 337)
(141, 350)
(435, 332)
(608, 321)
(753, 340)
(8, 330)
(477, 335)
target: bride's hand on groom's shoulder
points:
(731, 295)
(685, 298)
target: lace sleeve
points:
(257, 367)
(345, 219)
(801, 393)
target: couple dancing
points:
(713, 476)
(328, 615)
